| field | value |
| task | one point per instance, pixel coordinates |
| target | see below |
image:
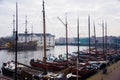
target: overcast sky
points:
(107, 10)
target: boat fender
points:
(69, 75)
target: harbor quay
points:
(113, 72)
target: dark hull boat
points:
(31, 74)
(32, 45)
(23, 73)
(8, 72)
(51, 66)
(84, 72)
(8, 69)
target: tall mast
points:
(14, 26)
(89, 31)
(26, 29)
(66, 26)
(31, 32)
(104, 27)
(106, 37)
(103, 35)
(78, 45)
(66, 38)
(44, 35)
(16, 41)
(106, 51)
(78, 37)
(95, 37)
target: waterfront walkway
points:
(113, 73)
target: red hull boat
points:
(52, 66)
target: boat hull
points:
(51, 66)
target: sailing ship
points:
(26, 45)
(45, 64)
(22, 46)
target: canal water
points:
(26, 56)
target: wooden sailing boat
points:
(48, 65)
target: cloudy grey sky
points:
(108, 10)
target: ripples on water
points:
(26, 56)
